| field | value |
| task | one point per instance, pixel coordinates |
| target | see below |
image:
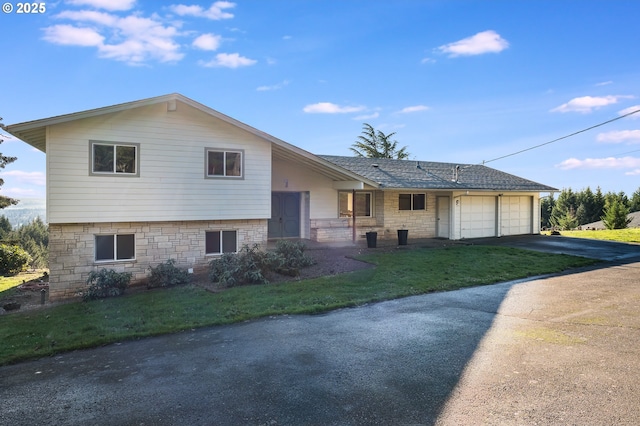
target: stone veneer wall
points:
(71, 248)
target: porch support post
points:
(353, 213)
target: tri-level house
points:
(132, 185)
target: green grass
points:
(11, 281)
(147, 313)
(628, 235)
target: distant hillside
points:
(25, 211)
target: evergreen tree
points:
(634, 202)
(616, 213)
(34, 239)
(565, 206)
(375, 144)
(5, 228)
(4, 160)
(546, 207)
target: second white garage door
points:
(516, 215)
(477, 217)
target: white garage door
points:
(477, 217)
(516, 215)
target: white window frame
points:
(224, 167)
(115, 248)
(412, 195)
(349, 204)
(221, 238)
(114, 172)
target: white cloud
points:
(32, 178)
(483, 42)
(133, 39)
(635, 172)
(101, 18)
(587, 104)
(207, 42)
(415, 108)
(23, 193)
(228, 60)
(330, 108)
(72, 36)
(104, 4)
(274, 87)
(137, 39)
(215, 12)
(604, 83)
(618, 136)
(427, 61)
(630, 110)
(600, 163)
(367, 117)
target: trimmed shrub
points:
(245, 267)
(167, 274)
(106, 283)
(293, 254)
(251, 266)
(13, 259)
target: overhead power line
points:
(563, 137)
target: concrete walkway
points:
(555, 350)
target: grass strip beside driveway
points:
(148, 313)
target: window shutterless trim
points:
(115, 242)
(221, 241)
(224, 155)
(370, 207)
(412, 200)
(136, 146)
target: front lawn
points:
(628, 235)
(408, 272)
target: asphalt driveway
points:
(554, 350)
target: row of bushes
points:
(248, 266)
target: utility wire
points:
(563, 137)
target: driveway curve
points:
(559, 349)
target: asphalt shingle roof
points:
(412, 174)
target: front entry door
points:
(285, 215)
(442, 223)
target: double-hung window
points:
(224, 163)
(218, 242)
(114, 158)
(363, 204)
(115, 247)
(412, 202)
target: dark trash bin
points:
(403, 235)
(372, 238)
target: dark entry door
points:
(285, 215)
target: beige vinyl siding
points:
(171, 185)
(291, 177)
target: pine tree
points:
(375, 144)
(616, 214)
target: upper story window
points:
(412, 202)
(223, 163)
(363, 204)
(112, 158)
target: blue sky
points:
(458, 81)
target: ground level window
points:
(218, 242)
(115, 247)
(412, 202)
(363, 204)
